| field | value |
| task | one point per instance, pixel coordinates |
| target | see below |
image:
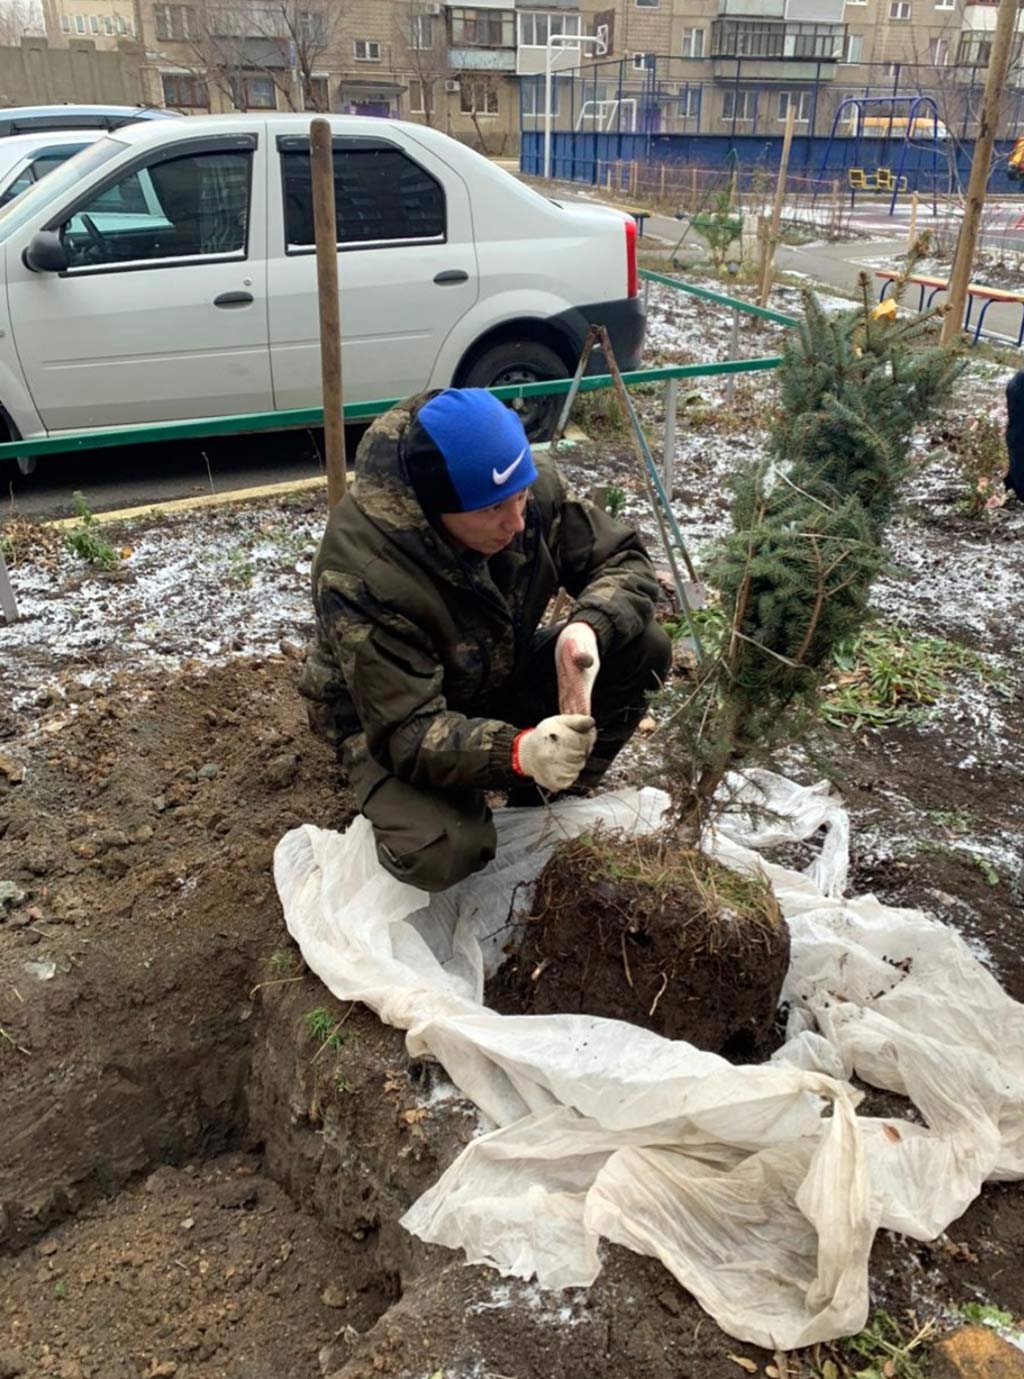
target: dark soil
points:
(666, 940)
(154, 1019)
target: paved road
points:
(840, 265)
(127, 477)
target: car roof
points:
(25, 119)
(19, 146)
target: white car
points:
(167, 272)
(26, 158)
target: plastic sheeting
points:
(759, 1188)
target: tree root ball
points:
(637, 930)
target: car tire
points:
(522, 361)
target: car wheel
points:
(26, 464)
(522, 361)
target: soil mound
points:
(666, 939)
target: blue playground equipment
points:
(919, 110)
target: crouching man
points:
(430, 670)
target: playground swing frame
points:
(916, 105)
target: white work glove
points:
(577, 662)
(553, 754)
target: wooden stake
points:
(963, 260)
(634, 173)
(780, 192)
(835, 208)
(661, 189)
(763, 241)
(325, 230)
(912, 232)
(693, 187)
(8, 605)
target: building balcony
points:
(482, 59)
(770, 50)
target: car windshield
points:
(35, 201)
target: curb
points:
(234, 495)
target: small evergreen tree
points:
(795, 572)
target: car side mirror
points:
(45, 253)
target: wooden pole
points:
(661, 188)
(963, 260)
(763, 242)
(835, 208)
(780, 192)
(912, 232)
(325, 231)
(8, 605)
(693, 188)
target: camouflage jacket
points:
(413, 638)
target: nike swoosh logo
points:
(501, 476)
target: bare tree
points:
(421, 46)
(283, 41)
(479, 95)
(19, 19)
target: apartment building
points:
(105, 22)
(455, 67)
(477, 71)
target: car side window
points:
(193, 206)
(381, 196)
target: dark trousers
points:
(434, 838)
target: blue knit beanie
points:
(482, 452)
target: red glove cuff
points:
(515, 751)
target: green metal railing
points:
(357, 411)
(705, 294)
(249, 422)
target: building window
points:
(185, 92)
(484, 28)
(856, 2)
(945, 4)
(79, 23)
(260, 93)
(689, 103)
(975, 49)
(421, 32)
(747, 38)
(174, 23)
(477, 97)
(536, 29)
(532, 89)
(367, 50)
(318, 95)
(108, 24)
(938, 52)
(311, 29)
(801, 103)
(854, 51)
(123, 26)
(899, 9)
(421, 97)
(693, 43)
(380, 196)
(814, 40)
(65, 24)
(94, 23)
(644, 62)
(740, 105)
(647, 4)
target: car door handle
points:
(233, 299)
(452, 275)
